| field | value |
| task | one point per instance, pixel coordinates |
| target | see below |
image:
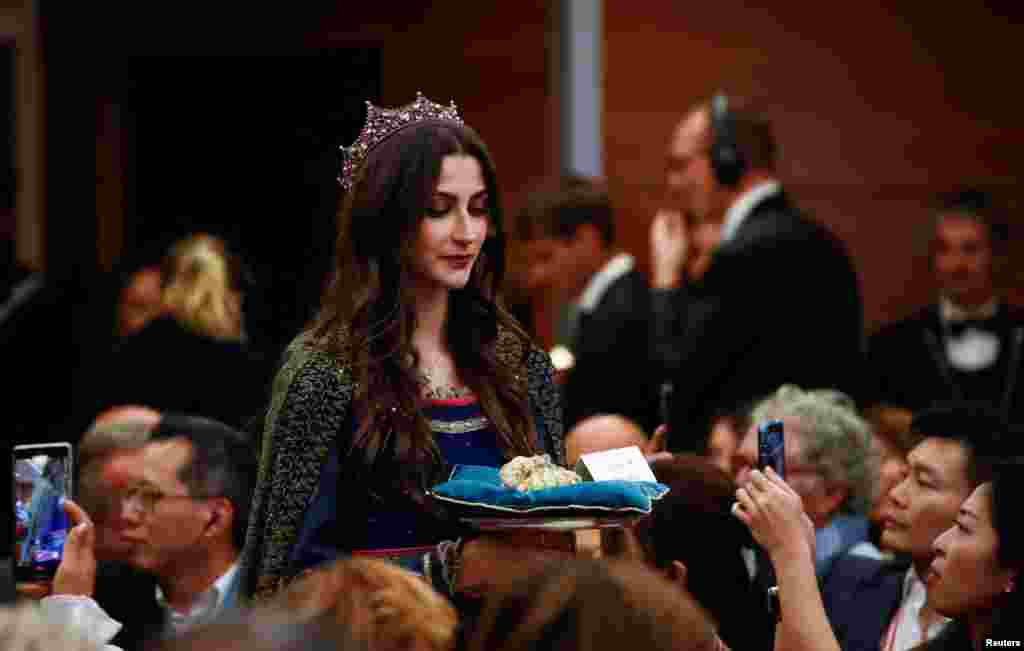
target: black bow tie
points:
(957, 328)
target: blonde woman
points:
(199, 289)
(194, 357)
(390, 608)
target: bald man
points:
(608, 432)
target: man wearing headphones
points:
(779, 301)
(969, 344)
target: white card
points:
(626, 464)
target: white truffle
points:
(536, 473)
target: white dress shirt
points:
(744, 205)
(618, 266)
(207, 606)
(904, 632)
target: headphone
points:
(727, 161)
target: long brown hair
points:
(367, 314)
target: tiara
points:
(382, 123)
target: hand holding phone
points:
(771, 447)
(76, 574)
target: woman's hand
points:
(774, 513)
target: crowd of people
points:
(227, 501)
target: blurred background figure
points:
(704, 236)
(265, 629)
(727, 430)
(380, 603)
(574, 255)
(693, 539)
(26, 628)
(141, 301)
(590, 604)
(193, 356)
(744, 328)
(608, 432)
(969, 343)
(202, 287)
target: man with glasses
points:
(172, 494)
(188, 514)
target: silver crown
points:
(382, 123)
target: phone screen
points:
(771, 446)
(42, 480)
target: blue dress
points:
(400, 532)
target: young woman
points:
(412, 365)
(975, 578)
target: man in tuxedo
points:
(779, 302)
(571, 233)
(969, 344)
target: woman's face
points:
(452, 232)
(966, 576)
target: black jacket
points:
(170, 368)
(909, 367)
(128, 595)
(612, 374)
(861, 596)
(780, 303)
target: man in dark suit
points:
(571, 233)
(876, 603)
(779, 302)
(969, 345)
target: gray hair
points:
(836, 439)
(107, 438)
(24, 628)
(99, 443)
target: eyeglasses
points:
(145, 498)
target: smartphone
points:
(771, 446)
(42, 478)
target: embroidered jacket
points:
(310, 404)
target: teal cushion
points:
(481, 488)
